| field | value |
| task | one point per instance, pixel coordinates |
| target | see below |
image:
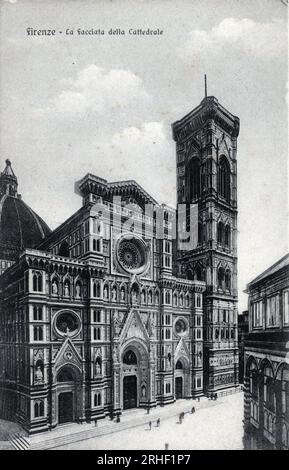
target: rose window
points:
(67, 323)
(180, 326)
(131, 254)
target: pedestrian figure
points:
(198, 398)
(180, 418)
(216, 396)
(148, 411)
(166, 446)
(150, 425)
(193, 410)
(158, 422)
(95, 422)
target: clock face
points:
(131, 254)
(67, 323)
(180, 326)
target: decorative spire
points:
(8, 181)
(206, 91)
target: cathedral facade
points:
(106, 313)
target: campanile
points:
(206, 150)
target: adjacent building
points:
(266, 379)
(106, 312)
(243, 330)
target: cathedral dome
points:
(20, 226)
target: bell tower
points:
(206, 148)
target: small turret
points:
(8, 181)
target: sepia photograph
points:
(144, 259)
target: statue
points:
(66, 290)
(97, 366)
(38, 376)
(77, 290)
(54, 287)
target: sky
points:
(104, 104)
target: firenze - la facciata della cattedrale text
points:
(95, 32)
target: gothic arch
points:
(224, 178)
(194, 178)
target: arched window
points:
(190, 275)
(179, 365)
(228, 236)
(204, 233)
(64, 249)
(221, 278)
(220, 233)
(143, 296)
(200, 232)
(37, 282)
(38, 333)
(224, 178)
(228, 279)
(97, 399)
(194, 172)
(198, 273)
(254, 383)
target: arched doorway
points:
(134, 376)
(68, 394)
(130, 381)
(179, 380)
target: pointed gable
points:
(134, 328)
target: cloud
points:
(145, 153)
(265, 41)
(111, 94)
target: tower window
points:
(194, 178)
(220, 233)
(38, 408)
(221, 277)
(38, 333)
(228, 236)
(228, 279)
(224, 178)
(37, 312)
(37, 282)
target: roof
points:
(208, 109)
(282, 263)
(94, 184)
(20, 227)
